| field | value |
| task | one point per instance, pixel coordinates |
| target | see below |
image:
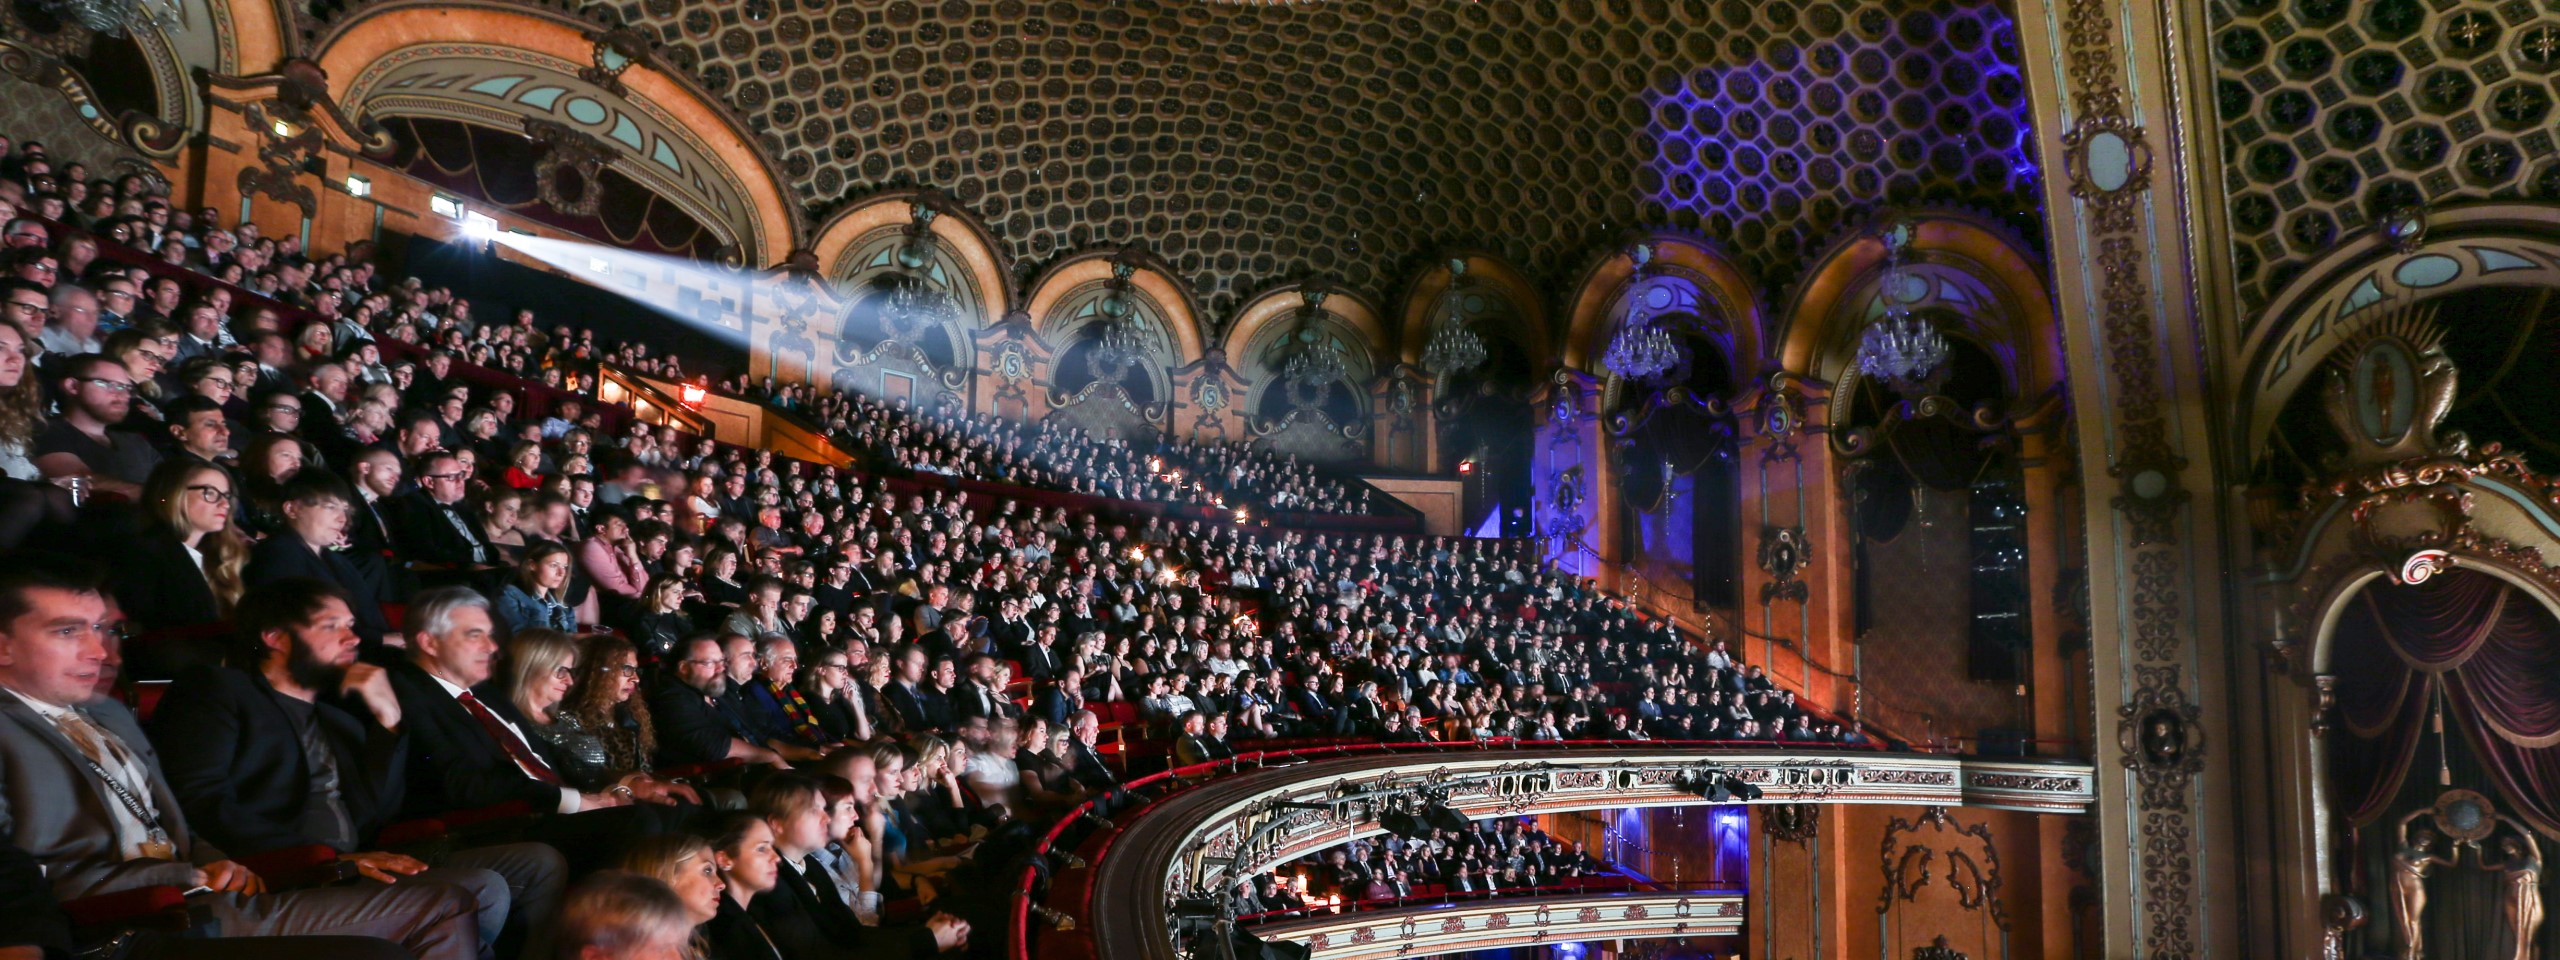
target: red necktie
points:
(508, 741)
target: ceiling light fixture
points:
(1454, 347)
(1643, 349)
(1904, 351)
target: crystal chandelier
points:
(1316, 363)
(114, 17)
(1642, 348)
(1904, 351)
(1318, 360)
(1454, 348)
(1121, 341)
(914, 305)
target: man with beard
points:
(692, 727)
(304, 745)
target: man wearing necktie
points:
(469, 751)
(84, 792)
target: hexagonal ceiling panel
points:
(2335, 112)
(1249, 144)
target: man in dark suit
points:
(317, 512)
(304, 748)
(940, 696)
(1193, 746)
(980, 695)
(1010, 632)
(905, 692)
(691, 726)
(1039, 658)
(376, 476)
(85, 795)
(1086, 769)
(429, 526)
(1318, 715)
(468, 750)
(1060, 701)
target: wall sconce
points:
(358, 186)
(450, 208)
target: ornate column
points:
(2118, 97)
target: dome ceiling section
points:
(508, 89)
(1247, 144)
(2335, 113)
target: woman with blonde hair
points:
(26, 500)
(684, 863)
(184, 570)
(542, 675)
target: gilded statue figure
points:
(2519, 868)
(2409, 868)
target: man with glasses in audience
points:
(25, 306)
(86, 793)
(117, 294)
(280, 412)
(692, 727)
(35, 266)
(430, 525)
(96, 394)
(28, 232)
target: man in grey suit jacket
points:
(82, 790)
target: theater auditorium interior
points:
(1278, 479)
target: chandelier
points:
(1316, 363)
(1454, 348)
(114, 17)
(1317, 360)
(1121, 340)
(1642, 348)
(914, 305)
(1904, 351)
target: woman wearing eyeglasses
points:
(534, 599)
(185, 568)
(542, 686)
(606, 704)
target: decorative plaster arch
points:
(958, 231)
(1152, 278)
(1281, 305)
(1728, 293)
(357, 52)
(1415, 314)
(1842, 288)
(248, 37)
(2509, 243)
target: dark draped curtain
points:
(2487, 650)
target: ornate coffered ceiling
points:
(2335, 112)
(1253, 144)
